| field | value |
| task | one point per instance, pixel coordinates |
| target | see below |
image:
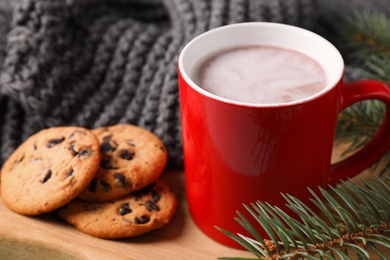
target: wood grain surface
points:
(48, 237)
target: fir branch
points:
(366, 33)
(377, 66)
(360, 221)
(359, 123)
(365, 38)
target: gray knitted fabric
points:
(100, 62)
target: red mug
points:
(236, 153)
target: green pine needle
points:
(359, 221)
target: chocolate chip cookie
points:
(131, 158)
(49, 169)
(134, 214)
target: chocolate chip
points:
(83, 152)
(20, 160)
(159, 147)
(54, 142)
(106, 164)
(72, 149)
(107, 138)
(47, 176)
(137, 195)
(150, 206)
(126, 154)
(124, 209)
(107, 147)
(106, 186)
(121, 179)
(142, 220)
(155, 196)
(17, 162)
(69, 173)
(92, 185)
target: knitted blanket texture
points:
(94, 63)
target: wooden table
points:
(48, 237)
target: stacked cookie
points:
(103, 181)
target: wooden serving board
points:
(48, 237)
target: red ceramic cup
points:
(237, 153)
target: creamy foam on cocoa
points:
(261, 75)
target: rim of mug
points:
(330, 83)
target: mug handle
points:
(353, 92)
